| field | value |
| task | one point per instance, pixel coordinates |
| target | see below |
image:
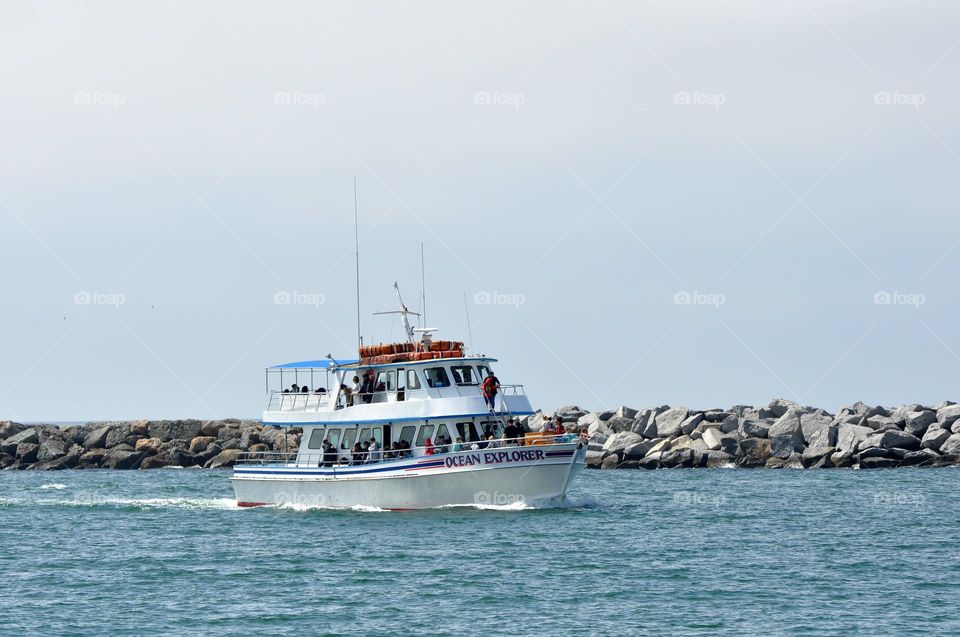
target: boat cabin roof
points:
(327, 364)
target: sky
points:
(687, 203)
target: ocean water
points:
(679, 552)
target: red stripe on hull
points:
(252, 504)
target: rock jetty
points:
(139, 444)
(783, 434)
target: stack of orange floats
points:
(384, 354)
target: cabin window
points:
(484, 371)
(413, 381)
(364, 435)
(437, 377)
(464, 375)
(349, 437)
(426, 431)
(334, 436)
(386, 381)
(467, 431)
(443, 434)
(491, 428)
(316, 439)
(406, 434)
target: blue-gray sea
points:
(671, 552)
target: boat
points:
(421, 436)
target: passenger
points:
(295, 389)
(373, 450)
(493, 443)
(286, 391)
(429, 449)
(366, 388)
(510, 433)
(347, 396)
(548, 425)
(356, 454)
(304, 390)
(329, 453)
(319, 390)
(405, 450)
(355, 387)
(457, 445)
(489, 389)
(561, 430)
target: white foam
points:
(149, 503)
(54, 485)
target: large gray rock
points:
(896, 439)
(817, 457)
(594, 458)
(96, 438)
(948, 415)
(52, 449)
(787, 425)
(9, 428)
(816, 425)
(850, 436)
(753, 428)
(934, 438)
(120, 458)
(951, 446)
(690, 423)
(638, 450)
(646, 424)
(669, 421)
(619, 424)
(921, 458)
(718, 459)
(754, 452)
(712, 437)
(617, 443)
(29, 436)
(777, 408)
(879, 462)
(175, 429)
(785, 446)
(626, 412)
(26, 451)
(916, 423)
(117, 435)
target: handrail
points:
(345, 456)
(289, 401)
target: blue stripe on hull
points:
(345, 423)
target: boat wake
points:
(136, 503)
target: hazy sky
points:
(692, 203)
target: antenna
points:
(466, 310)
(403, 312)
(423, 288)
(356, 237)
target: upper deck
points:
(402, 391)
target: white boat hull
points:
(482, 477)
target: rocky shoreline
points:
(783, 434)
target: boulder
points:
(950, 446)
(28, 436)
(947, 415)
(140, 428)
(119, 458)
(879, 462)
(896, 439)
(174, 429)
(753, 428)
(842, 459)
(669, 421)
(92, 458)
(730, 424)
(604, 416)
(148, 445)
(593, 459)
(880, 452)
(651, 461)
(619, 424)
(816, 456)
(718, 459)
(816, 425)
(785, 446)
(638, 450)
(690, 423)
(921, 458)
(199, 444)
(916, 423)
(645, 424)
(659, 447)
(626, 412)
(777, 408)
(787, 425)
(711, 438)
(793, 461)
(96, 438)
(753, 452)
(52, 449)
(850, 436)
(9, 428)
(617, 443)
(27, 451)
(730, 444)
(210, 427)
(157, 461)
(716, 415)
(260, 447)
(824, 437)
(934, 437)
(610, 461)
(116, 435)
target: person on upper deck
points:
(489, 388)
(366, 388)
(347, 395)
(294, 388)
(304, 390)
(355, 387)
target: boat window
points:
(334, 436)
(378, 436)
(437, 377)
(484, 371)
(386, 381)
(406, 434)
(349, 437)
(467, 431)
(364, 435)
(464, 375)
(413, 381)
(316, 439)
(426, 431)
(491, 428)
(443, 434)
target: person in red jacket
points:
(489, 389)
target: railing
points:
(344, 457)
(280, 401)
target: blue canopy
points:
(325, 363)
